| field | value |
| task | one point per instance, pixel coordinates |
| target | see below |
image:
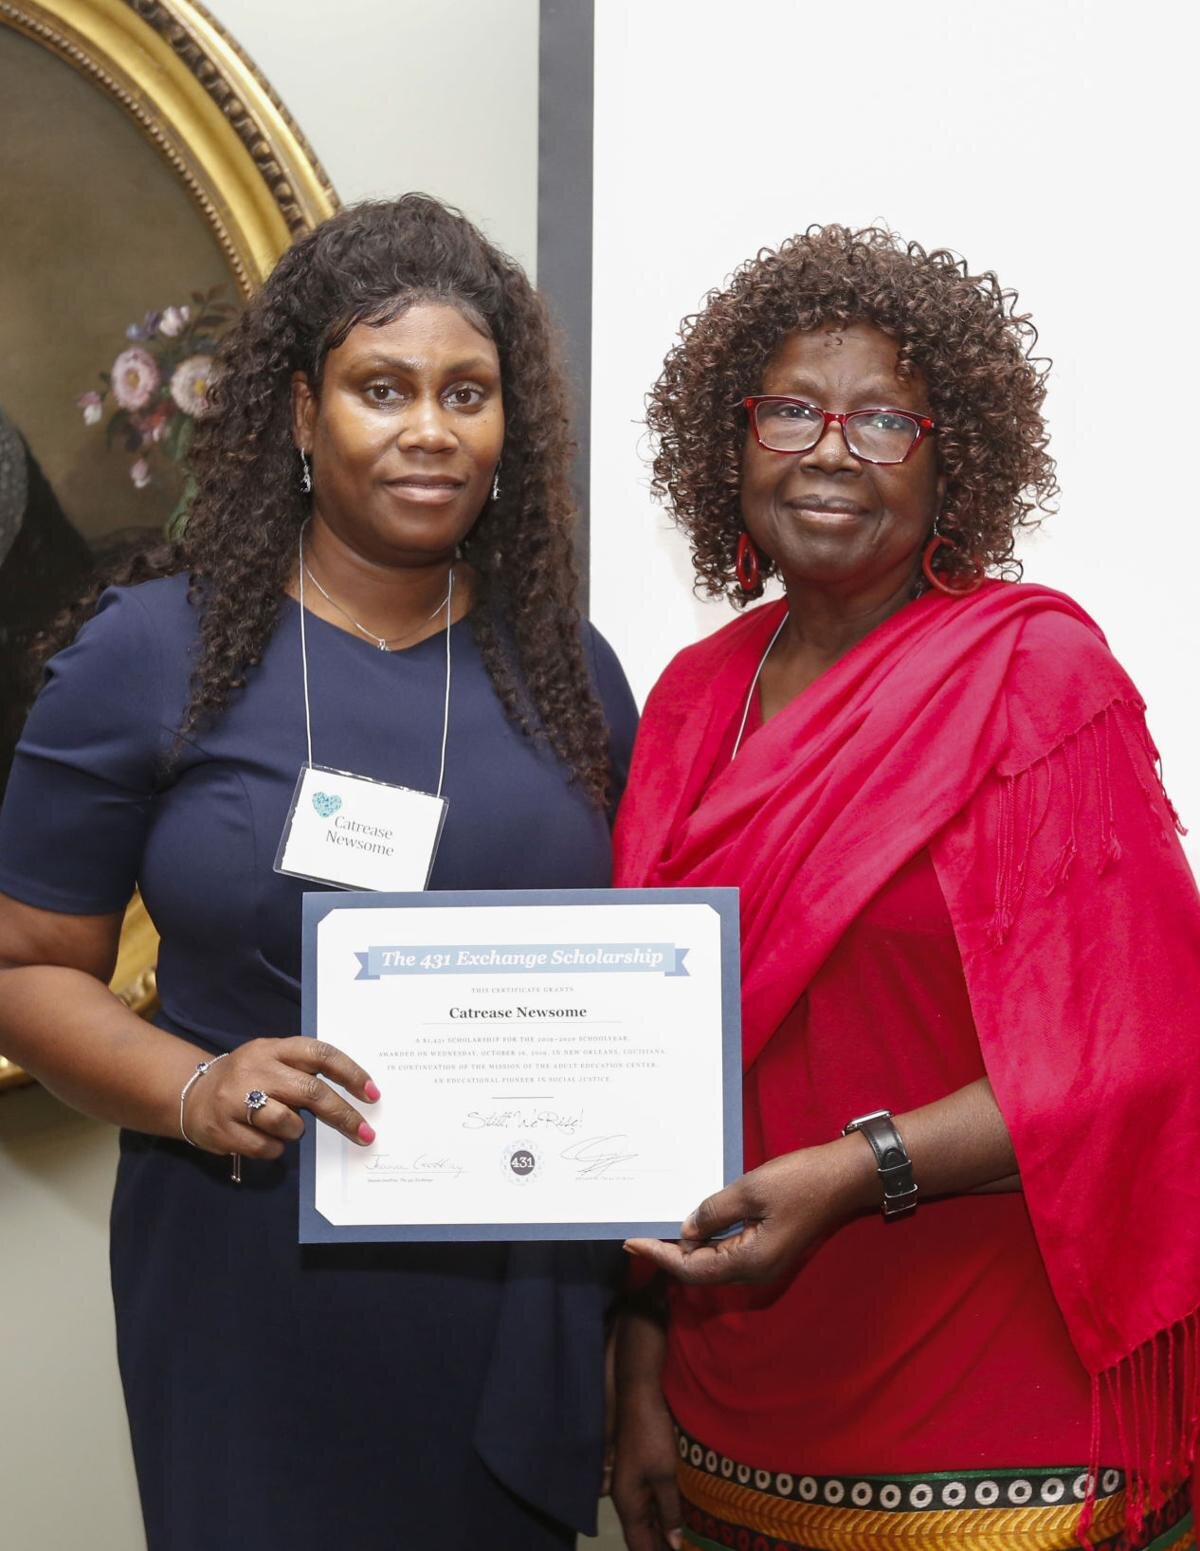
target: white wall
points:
(1051, 142)
(393, 95)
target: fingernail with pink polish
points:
(365, 1133)
(372, 1092)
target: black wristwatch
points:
(892, 1161)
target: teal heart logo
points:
(326, 804)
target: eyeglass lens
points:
(872, 434)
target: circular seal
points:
(520, 1162)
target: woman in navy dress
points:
(393, 396)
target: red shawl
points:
(998, 732)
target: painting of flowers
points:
(158, 388)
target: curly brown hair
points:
(367, 264)
(961, 331)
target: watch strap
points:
(892, 1162)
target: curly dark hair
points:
(961, 331)
(367, 264)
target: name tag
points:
(360, 834)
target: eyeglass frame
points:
(925, 427)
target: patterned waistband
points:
(731, 1504)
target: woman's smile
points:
(425, 489)
(826, 511)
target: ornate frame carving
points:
(206, 107)
(250, 171)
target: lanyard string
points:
(754, 684)
(304, 654)
(304, 670)
(446, 707)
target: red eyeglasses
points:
(872, 435)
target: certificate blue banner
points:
(576, 958)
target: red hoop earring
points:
(746, 565)
(968, 584)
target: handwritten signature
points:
(593, 1160)
(523, 1120)
(422, 1167)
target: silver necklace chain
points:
(449, 606)
(382, 642)
(754, 684)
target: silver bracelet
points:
(195, 1077)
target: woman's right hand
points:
(290, 1072)
(644, 1477)
(644, 1490)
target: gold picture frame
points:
(205, 106)
(211, 114)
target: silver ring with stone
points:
(255, 1100)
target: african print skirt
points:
(727, 1504)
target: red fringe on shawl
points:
(1151, 1400)
(1026, 796)
(1147, 1406)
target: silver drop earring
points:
(496, 486)
(306, 477)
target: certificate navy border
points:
(316, 1229)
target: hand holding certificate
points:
(552, 1065)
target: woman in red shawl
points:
(964, 905)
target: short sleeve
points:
(75, 811)
(620, 708)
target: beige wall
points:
(394, 95)
(65, 1469)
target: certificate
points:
(553, 1064)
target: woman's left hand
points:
(786, 1208)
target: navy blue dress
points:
(279, 1395)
